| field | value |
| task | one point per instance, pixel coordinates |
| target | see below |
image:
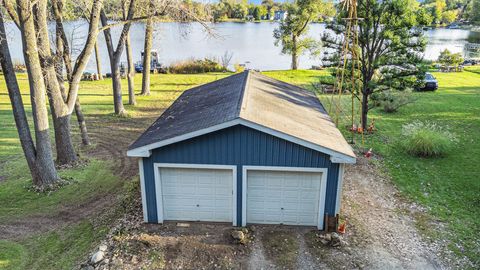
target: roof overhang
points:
(335, 157)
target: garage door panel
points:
(222, 191)
(308, 196)
(291, 193)
(197, 194)
(298, 193)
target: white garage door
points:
(280, 197)
(196, 194)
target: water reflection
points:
(249, 42)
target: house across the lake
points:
(245, 149)
(280, 15)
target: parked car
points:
(430, 83)
(470, 62)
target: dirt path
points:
(382, 230)
(257, 259)
(305, 260)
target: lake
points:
(250, 43)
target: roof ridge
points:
(241, 102)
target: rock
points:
(102, 247)
(328, 237)
(336, 240)
(183, 225)
(324, 241)
(238, 235)
(87, 267)
(134, 259)
(97, 257)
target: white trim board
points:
(323, 187)
(338, 200)
(336, 157)
(142, 189)
(158, 185)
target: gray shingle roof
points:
(253, 97)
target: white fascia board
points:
(335, 157)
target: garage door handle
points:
(198, 205)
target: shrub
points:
(193, 66)
(426, 139)
(238, 68)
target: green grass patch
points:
(62, 249)
(12, 255)
(303, 78)
(87, 182)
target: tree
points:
(115, 54)
(269, 5)
(474, 11)
(259, 12)
(449, 16)
(439, 7)
(131, 67)
(239, 11)
(62, 102)
(147, 48)
(98, 61)
(291, 30)
(448, 59)
(39, 153)
(389, 48)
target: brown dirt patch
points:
(135, 245)
(280, 245)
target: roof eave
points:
(335, 157)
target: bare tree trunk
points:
(117, 89)
(99, 62)
(78, 109)
(131, 72)
(61, 117)
(364, 110)
(19, 111)
(147, 57)
(294, 53)
(45, 173)
(114, 56)
(81, 123)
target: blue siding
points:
(239, 145)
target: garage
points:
(246, 149)
(196, 193)
(289, 196)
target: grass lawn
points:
(447, 186)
